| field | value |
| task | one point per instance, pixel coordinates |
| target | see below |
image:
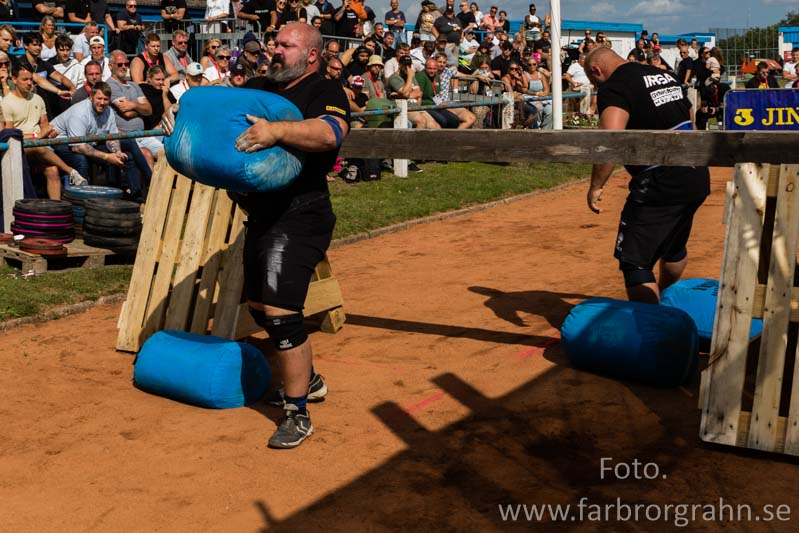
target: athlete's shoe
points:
(317, 390)
(292, 430)
(76, 180)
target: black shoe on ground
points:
(292, 429)
(412, 167)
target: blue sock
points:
(300, 402)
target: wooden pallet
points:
(79, 255)
(759, 410)
(188, 272)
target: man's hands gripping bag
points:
(203, 143)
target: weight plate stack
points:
(6, 238)
(43, 247)
(48, 219)
(113, 224)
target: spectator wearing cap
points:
(356, 62)
(238, 76)
(177, 56)
(393, 65)
(468, 47)
(500, 64)
(80, 43)
(194, 78)
(426, 21)
(219, 70)
(374, 87)
(358, 98)
(97, 54)
(250, 57)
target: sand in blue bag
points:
(203, 143)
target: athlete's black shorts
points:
(280, 256)
(648, 233)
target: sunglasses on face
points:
(213, 47)
(181, 42)
(264, 71)
(223, 58)
(4, 63)
(334, 68)
(125, 64)
(514, 68)
(532, 64)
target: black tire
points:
(86, 192)
(112, 223)
(41, 219)
(113, 216)
(105, 231)
(33, 206)
(105, 206)
(110, 242)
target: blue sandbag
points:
(651, 344)
(203, 143)
(697, 297)
(201, 370)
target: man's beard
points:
(286, 73)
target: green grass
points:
(21, 297)
(359, 207)
(440, 188)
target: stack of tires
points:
(112, 224)
(78, 195)
(43, 219)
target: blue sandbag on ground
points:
(203, 143)
(648, 343)
(697, 297)
(201, 370)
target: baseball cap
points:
(194, 69)
(96, 40)
(358, 81)
(252, 47)
(238, 69)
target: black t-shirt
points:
(346, 26)
(49, 3)
(155, 97)
(542, 45)
(81, 8)
(98, 9)
(448, 27)
(654, 101)
(328, 25)
(314, 96)
(262, 8)
(501, 64)
(465, 19)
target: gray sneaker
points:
(317, 390)
(76, 180)
(292, 430)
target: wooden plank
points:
(713, 148)
(773, 181)
(170, 249)
(323, 295)
(727, 212)
(212, 258)
(191, 251)
(231, 281)
(792, 436)
(743, 434)
(721, 395)
(760, 298)
(155, 211)
(776, 313)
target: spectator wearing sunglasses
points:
(130, 26)
(538, 86)
(216, 73)
(209, 52)
(177, 56)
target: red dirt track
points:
(449, 396)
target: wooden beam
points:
(679, 148)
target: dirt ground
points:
(450, 396)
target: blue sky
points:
(663, 16)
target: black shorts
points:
(648, 233)
(280, 256)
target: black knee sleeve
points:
(634, 275)
(285, 332)
(677, 256)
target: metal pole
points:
(12, 180)
(555, 82)
(401, 122)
